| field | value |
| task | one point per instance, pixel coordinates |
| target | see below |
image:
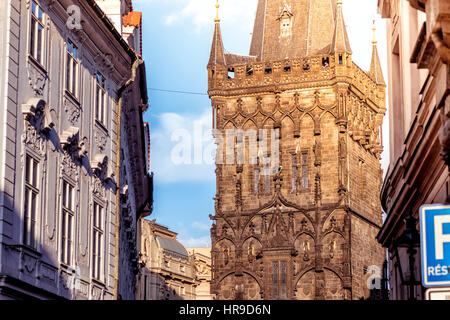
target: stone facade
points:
(167, 271)
(202, 263)
(418, 57)
(72, 153)
(305, 228)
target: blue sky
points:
(177, 38)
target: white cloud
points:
(200, 226)
(202, 12)
(170, 20)
(194, 130)
(201, 242)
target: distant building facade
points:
(73, 164)
(419, 83)
(202, 262)
(304, 229)
(167, 271)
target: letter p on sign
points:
(435, 245)
(440, 237)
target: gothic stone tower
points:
(307, 231)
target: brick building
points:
(297, 219)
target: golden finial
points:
(217, 11)
(374, 28)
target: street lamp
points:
(406, 245)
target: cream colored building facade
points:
(167, 271)
(202, 262)
(419, 113)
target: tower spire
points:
(340, 41)
(217, 55)
(375, 66)
(217, 12)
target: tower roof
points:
(340, 41)
(217, 55)
(291, 29)
(376, 72)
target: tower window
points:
(305, 179)
(287, 68)
(249, 71)
(279, 280)
(326, 62)
(362, 179)
(256, 179)
(294, 172)
(268, 69)
(267, 175)
(231, 73)
(340, 59)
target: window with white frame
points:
(36, 32)
(72, 68)
(30, 201)
(67, 219)
(97, 241)
(100, 99)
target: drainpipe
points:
(135, 65)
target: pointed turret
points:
(375, 67)
(340, 43)
(217, 55)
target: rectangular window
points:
(275, 277)
(267, 173)
(305, 179)
(97, 242)
(362, 179)
(283, 280)
(30, 201)
(279, 280)
(145, 287)
(36, 32)
(294, 172)
(72, 68)
(67, 223)
(100, 112)
(257, 177)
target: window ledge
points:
(101, 126)
(37, 64)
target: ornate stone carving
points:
(36, 78)
(73, 111)
(100, 140)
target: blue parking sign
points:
(435, 245)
